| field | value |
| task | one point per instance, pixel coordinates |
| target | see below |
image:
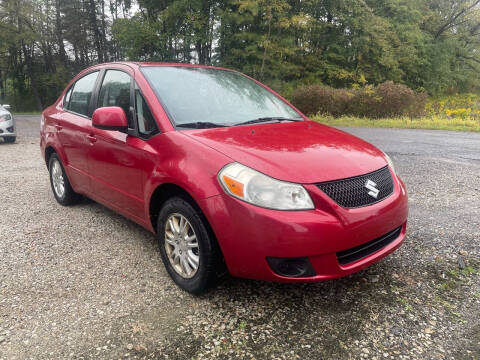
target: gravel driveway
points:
(84, 283)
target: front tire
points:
(189, 252)
(62, 190)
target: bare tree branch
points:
(451, 22)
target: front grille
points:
(348, 256)
(352, 193)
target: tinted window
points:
(146, 122)
(115, 91)
(82, 94)
(213, 95)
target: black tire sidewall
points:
(206, 274)
(69, 197)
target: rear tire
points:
(10, 139)
(62, 190)
(194, 249)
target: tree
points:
(431, 45)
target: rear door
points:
(116, 161)
(73, 127)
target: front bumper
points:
(248, 234)
(7, 128)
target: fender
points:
(50, 140)
(192, 170)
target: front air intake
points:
(354, 254)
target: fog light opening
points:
(291, 267)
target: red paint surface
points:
(109, 117)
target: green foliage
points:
(430, 46)
(137, 37)
(20, 98)
(459, 112)
(384, 100)
(44, 43)
(427, 45)
(434, 122)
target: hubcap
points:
(181, 245)
(57, 179)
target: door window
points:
(115, 91)
(146, 122)
(82, 94)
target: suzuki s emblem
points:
(370, 185)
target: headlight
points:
(261, 190)
(390, 162)
(5, 117)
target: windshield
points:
(213, 96)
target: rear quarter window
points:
(67, 97)
(81, 97)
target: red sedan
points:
(226, 173)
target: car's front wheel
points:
(62, 190)
(189, 251)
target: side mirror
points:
(110, 118)
(6, 107)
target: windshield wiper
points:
(267, 119)
(200, 125)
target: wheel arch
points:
(162, 193)
(49, 150)
(165, 191)
(53, 147)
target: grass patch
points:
(434, 122)
(405, 303)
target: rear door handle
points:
(91, 138)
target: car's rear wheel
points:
(10, 139)
(62, 190)
(189, 251)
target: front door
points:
(115, 158)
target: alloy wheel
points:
(181, 246)
(57, 179)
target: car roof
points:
(139, 64)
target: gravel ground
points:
(84, 283)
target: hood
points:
(3, 111)
(301, 152)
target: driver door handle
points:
(92, 139)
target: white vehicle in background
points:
(8, 130)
